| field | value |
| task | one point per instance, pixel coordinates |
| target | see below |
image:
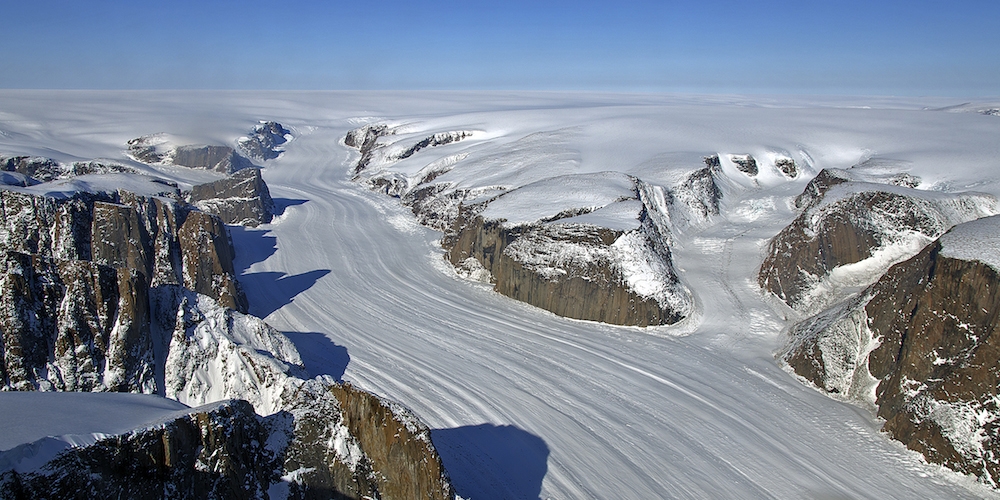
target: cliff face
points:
(569, 269)
(847, 222)
(78, 277)
(921, 345)
(242, 198)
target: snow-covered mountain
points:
(668, 199)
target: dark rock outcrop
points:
(42, 169)
(207, 255)
(150, 236)
(265, 140)
(215, 452)
(439, 139)
(819, 185)
(365, 140)
(849, 227)
(921, 345)
(218, 158)
(787, 167)
(73, 326)
(77, 282)
(241, 198)
(745, 163)
(397, 445)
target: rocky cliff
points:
(921, 346)
(848, 221)
(265, 141)
(242, 198)
(78, 279)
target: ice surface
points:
(977, 240)
(524, 403)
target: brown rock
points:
(934, 325)
(242, 198)
(207, 255)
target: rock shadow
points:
(280, 204)
(493, 461)
(320, 355)
(271, 290)
(252, 246)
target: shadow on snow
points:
(280, 204)
(493, 461)
(320, 355)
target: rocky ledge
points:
(920, 345)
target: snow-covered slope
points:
(524, 403)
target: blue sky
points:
(772, 46)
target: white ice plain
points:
(526, 404)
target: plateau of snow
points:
(525, 404)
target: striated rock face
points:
(922, 346)
(154, 237)
(242, 198)
(847, 222)
(78, 278)
(265, 140)
(74, 326)
(397, 445)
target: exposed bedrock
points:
(218, 158)
(568, 269)
(265, 141)
(155, 237)
(242, 198)
(213, 452)
(159, 148)
(847, 222)
(922, 345)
